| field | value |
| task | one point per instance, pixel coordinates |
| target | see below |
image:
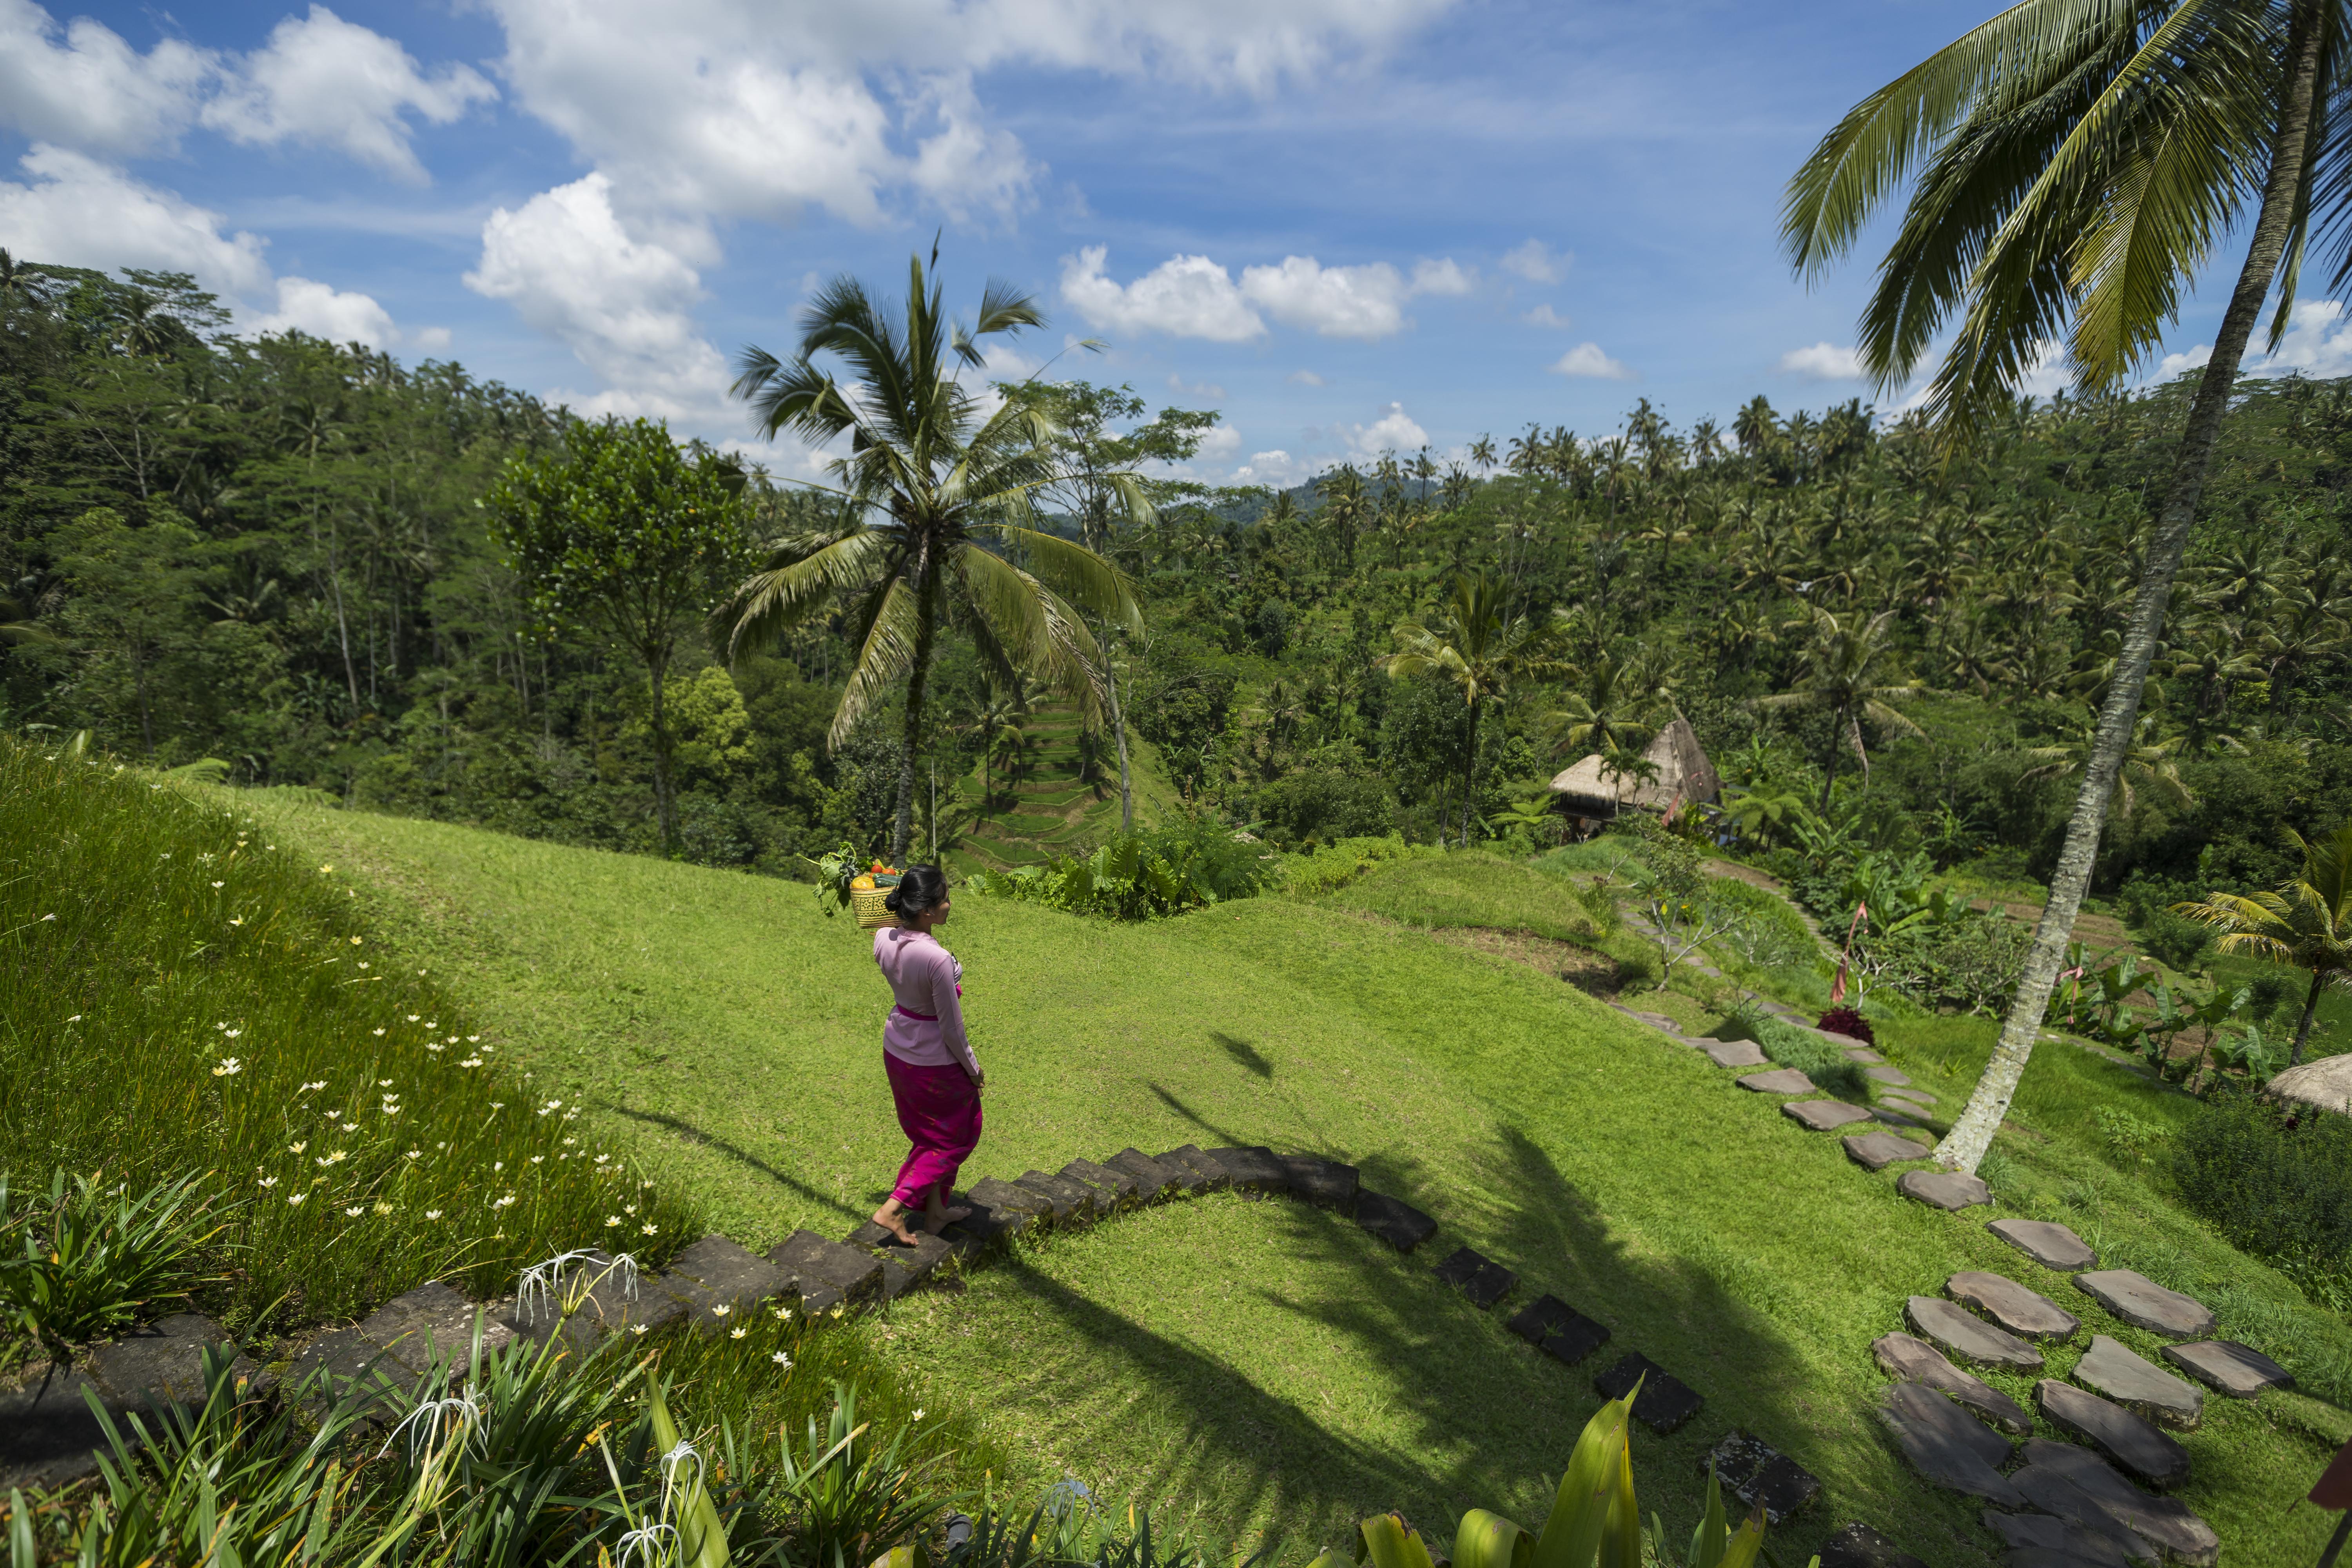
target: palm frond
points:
(1079, 576)
(885, 653)
(799, 577)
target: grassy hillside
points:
(1051, 800)
(1262, 1360)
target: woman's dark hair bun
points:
(920, 888)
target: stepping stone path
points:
(2139, 1385)
(1823, 1115)
(1917, 1361)
(1909, 1098)
(2051, 1244)
(1949, 1190)
(2036, 1539)
(2078, 1487)
(1399, 1225)
(1894, 1076)
(1762, 1476)
(1254, 1170)
(1959, 1332)
(2230, 1367)
(1863, 1055)
(1876, 1150)
(1859, 1546)
(2145, 1304)
(2021, 1311)
(1734, 1053)
(1321, 1182)
(2114, 1431)
(1950, 1447)
(1558, 1329)
(1485, 1281)
(1780, 1080)
(1666, 1403)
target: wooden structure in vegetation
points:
(1683, 774)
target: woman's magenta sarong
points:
(939, 1109)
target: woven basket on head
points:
(867, 902)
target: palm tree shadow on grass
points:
(1488, 1421)
(744, 1157)
(1243, 1052)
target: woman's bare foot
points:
(937, 1217)
(891, 1217)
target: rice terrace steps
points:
(1054, 797)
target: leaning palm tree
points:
(1843, 676)
(937, 495)
(2306, 924)
(2081, 160)
(1473, 646)
(2150, 764)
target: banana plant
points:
(1594, 1522)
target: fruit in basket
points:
(862, 883)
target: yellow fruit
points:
(862, 882)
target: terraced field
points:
(1056, 801)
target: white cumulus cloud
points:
(80, 212)
(1393, 431)
(1304, 378)
(1277, 468)
(1537, 262)
(1207, 389)
(1366, 302)
(325, 311)
(323, 81)
(1444, 276)
(1184, 296)
(621, 304)
(1545, 316)
(1823, 362)
(1587, 360)
(80, 85)
(1196, 297)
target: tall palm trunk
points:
(1118, 730)
(1469, 770)
(1972, 1134)
(2303, 1028)
(919, 674)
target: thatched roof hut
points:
(1683, 774)
(2324, 1084)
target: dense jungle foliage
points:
(273, 552)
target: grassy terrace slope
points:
(1054, 804)
(1264, 1360)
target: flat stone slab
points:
(1073, 1202)
(2122, 1436)
(1658, 1020)
(1664, 1404)
(719, 1281)
(903, 1267)
(1859, 1546)
(1762, 1476)
(1253, 1169)
(1950, 1447)
(810, 1263)
(1779, 1080)
(1958, 1331)
(1876, 1150)
(1823, 1115)
(1324, 1182)
(1894, 1076)
(2239, 1370)
(166, 1358)
(1481, 1279)
(1949, 1190)
(1399, 1224)
(1153, 1180)
(1558, 1329)
(2046, 1242)
(2023, 1312)
(2057, 1542)
(1915, 1361)
(2078, 1486)
(48, 1435)
(1863, 1055)
(1897, 1118)
(435, 1321)
(2145, 1304)
(2110, 1368)
(1734, 1053)
(1192, 1157)
(1125, 1190)
(1919, 1098)
(1000, 1206)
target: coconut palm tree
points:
(2151, 763)
(1841, 675)
(1475, 647)
(1612, 711)
(2076, 164)
(2306, 924)
(937, 492)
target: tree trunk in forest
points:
(1469, 770)
(918, 676)
(2303, 1028)
(1972, 1134)
(665, 805)
(1118, 731)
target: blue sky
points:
(1344, 223)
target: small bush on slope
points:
(176, 997)
(2276, 1184)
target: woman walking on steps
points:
(935, 1079)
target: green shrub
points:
(1816, 1058)
(1318, 804)
(1141, 875)
(2175, 939)
(2128, 1139)
(87, 1257)
(2276, 1184)
(1336, 865)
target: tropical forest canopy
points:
(275, 553)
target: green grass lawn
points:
(1263, 1361)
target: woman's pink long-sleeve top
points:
(926, 1029)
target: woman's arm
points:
(950, 1008)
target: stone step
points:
(1114, 1190)
(1482, 1280)
(1859, 1546)
(2127, 1439)
(48, 1435)
(1780, 1080)
(903, 1267)
(2110, 1368)
(1665, 1404)
(1213, 1176)
(1959, 1332)
(1734, 1053)
(720, 1282)
(1915, 1361)
(2046, 1242)
(1950, 1447)
(2067, 1543)
(1558, 1329)
(1398, 1223)
(825, 1273)
(1876, 1150)
(2145, 1304)
(1324, 1182)
(1760, 1476)
(2229, 1367)
(1015, 1207)
(1919, 1098)
(1865, 1055)
(2026, 1313)
(1253, 1169)
(1071, 1203)
(1951, 1191)
(2076, 1485)
(1894, 1076)
(1823, 1115)
(603, 1295)
(1153, 1181)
